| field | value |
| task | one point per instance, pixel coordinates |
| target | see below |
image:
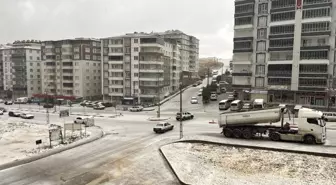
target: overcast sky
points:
(209, 20)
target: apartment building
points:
(72, 68)
(20, 69)
(139, 68)
(189, 50)
(284, 50)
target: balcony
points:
(279, 87)
(280, 73)
(116, 78)
(151, 70)
(116, 94)
(116, 70)
(151, 62)
(151, 51)
(241, 86)
(151, 79)
(148, 95)
(241, 73)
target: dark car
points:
(13, 114)
(108, 104)
(48, 106)
(3, 109)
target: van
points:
(259, 104)
(236, 105)
(224, 104)
(329, 116)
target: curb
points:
(321, 154)
(51, 152)
(171, 167)
(158, 119)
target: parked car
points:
(194, 100)
(199, 94)
(330, 116)
(247, 106)
(1, 112)
(8, 103)
(185, 116)
(194, 85)
(223, 90)
(107, 104)
(26, 116)
(3, 109)
(48, 106)
(13, 114)
(136, 109)
(88, 121)
(213, 97)
(163, 127)
(1, 100)
(99, 107)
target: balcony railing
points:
(280, 73)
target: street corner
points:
(27, 151)
(159, 119)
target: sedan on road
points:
(194, 100)
(163, 127)
(13, 114)
(26, 116)
(8, 103)
(136, 109)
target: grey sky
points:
(209, 20)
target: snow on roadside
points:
(212, 164)
(17, 140)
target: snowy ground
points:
(17, 140)
(211, 164)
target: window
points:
(136, 74)
(242, 45)
(279, 81)
(136, 40)
(87, 57)
(280, 43)
(88, 77)
(283, 55)
(283, 3)
(136, 58)
(136, 65)
(319, 12)
(307, 2)
(315, 27)
(87, 50)
(246, 8)
(312, 121)
(30, 51)
(31, 57)
(313, 68)
(76, 56)
(261, 46)
(260, 70)
(311, 55)
(262, 21)
(263, 8)
(261, 57)
(243, 21)
(259, 82)
(136, 49)
(31, 64)
(76, 49)
(31, 70)
(312, 82)
(283, 16)
(76, 77)
(262, 33)
(284, 29)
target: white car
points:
(136, 109)
(213, 97)
(1, 100)
(1, 112)
(194, 100)
(26, 116)
(80, 120)
(163, 127)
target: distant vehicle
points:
(199, 94)
(1, 112)
(8, 103)
(136, 109)
(107, 104)
(22, 100)
(201, 89)
(214, 72)
(231, 97)
(185, 116)
(48, 106)
(26, 116)
(13, 114)
(1, 100)
(236, 105)
(89, 104)
(247, 106)
(310, 126)
(88, 121)
(194, 100)
(224, 104)
(259, 104)
(163, 127)
(213, 97)
(223, 90)
(199, 82)
(99, 107)
(329, 116)
(194, 85)
(3, 109)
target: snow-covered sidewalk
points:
(218, 165)
(18, 139)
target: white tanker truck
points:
(309, 126)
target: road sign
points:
(64, 113)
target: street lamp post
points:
(181, 124)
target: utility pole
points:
(48, 118)
(181, 124)
(159, 106)
(208, 77)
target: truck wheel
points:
(227, 132)
(275, 136)
(309, 139)
(247, 134)
(237, 133)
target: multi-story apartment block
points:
(72, 67)
(20, 69)
(284, 50)
(139, 68)
(189, 50)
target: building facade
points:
(20, 69)
(284, 50)
(138, 68)
(72, 67)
